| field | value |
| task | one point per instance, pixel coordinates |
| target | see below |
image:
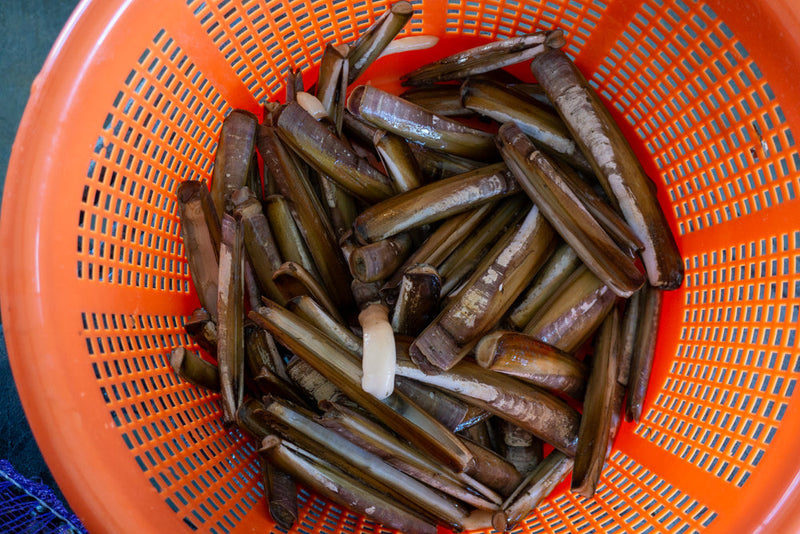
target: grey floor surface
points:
(28, 29)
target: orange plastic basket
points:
(95, 286)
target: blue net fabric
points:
(31, 508)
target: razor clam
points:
(545, 184)
(293, 280)
(369, 45)
(492, 469)
(537, 411)
(268, 383)
(443, 100)
(485, 58)
(230, 329)
(417, 300)
(574, 311)
(533, 490)
(377, 261)
(469, 253)
(377, 342)
(642, 363)
(488, 294)
(602, 211)
(288, 238)
(434, 202)
(261, 351)
(531, 360)
(233, 157)
(595, 427)
(341, 206)
(631, 318)
(258, 240)
(435, 165)
(329, 155)
(505, 104)
(397, 115)
(312, 382)
(521, 448)
(200, 230)
(398, 160)
(614, 162)
(561, 264)
(281, 493)
(332, 81)
(300, 427)
(194, 369)
(203, 330)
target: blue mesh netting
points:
(27, 507)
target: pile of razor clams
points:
(428, 308)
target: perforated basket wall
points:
(95, 286)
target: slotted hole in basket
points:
(160, 170)
(745, 394)
(723, 73)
